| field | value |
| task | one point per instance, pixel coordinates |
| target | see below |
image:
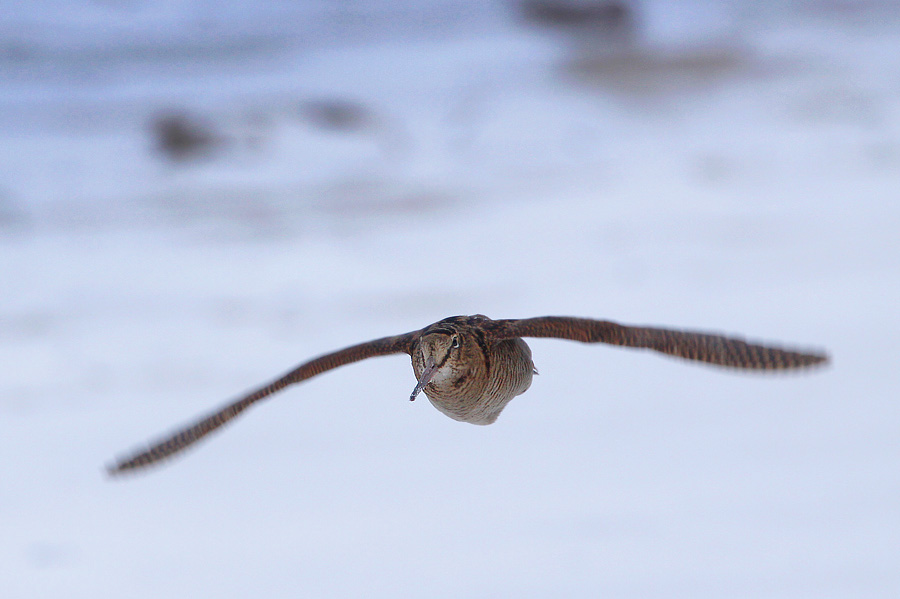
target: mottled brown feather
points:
(488, 367)
(731, 352)
(182, 439)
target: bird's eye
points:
(454, 341)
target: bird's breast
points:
(477, 392)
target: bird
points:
(471, 367)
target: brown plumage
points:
(470, 367)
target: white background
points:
(740, 175)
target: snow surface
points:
(753, 191)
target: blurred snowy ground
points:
(367, 171)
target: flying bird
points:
(470, 367)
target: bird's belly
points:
(482, 401)
(481, 409)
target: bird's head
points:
(446, 352)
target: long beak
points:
(427, 374)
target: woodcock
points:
(470, 367)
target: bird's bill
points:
(427, 375)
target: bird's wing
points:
(704, 347)
(186, 437)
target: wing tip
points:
(125, 466)
(821, 359)
(114, 471)
(120, 468)
(809, 359)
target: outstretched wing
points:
(193, 433)
(714, 349)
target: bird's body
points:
(477, 377)
(470, 367)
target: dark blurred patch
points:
(608, 47)
(560, 13)
(653, 73)
(350, 117)
(337, 115)
(179, 136)
(587, 22)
